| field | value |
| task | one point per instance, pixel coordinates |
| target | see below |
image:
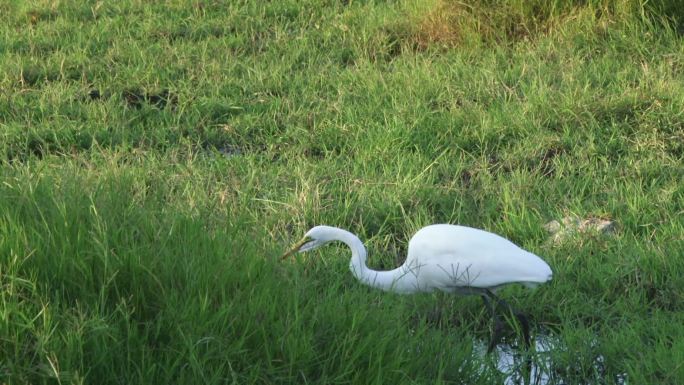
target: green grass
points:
(139, 238)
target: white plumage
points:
(442, 257)
(475, 258)
(449, 258)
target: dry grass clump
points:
(451, 23)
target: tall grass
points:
(156, 158)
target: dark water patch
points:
(136, 98)
(222, 147)
(94, 94)
(225, 150)
(229, 151)
(540, 162)
(548, 363)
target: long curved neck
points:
(392, 280)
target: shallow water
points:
(543, 371)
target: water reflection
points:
(538, 367)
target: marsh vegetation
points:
(157, 157)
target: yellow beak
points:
(295, 248)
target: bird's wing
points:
(456, 256)
(449, 271)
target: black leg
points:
(488, 305)
(497, 328)
(488, 296)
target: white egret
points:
(449, 258)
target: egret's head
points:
(314, 238)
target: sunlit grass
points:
(155, 159)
